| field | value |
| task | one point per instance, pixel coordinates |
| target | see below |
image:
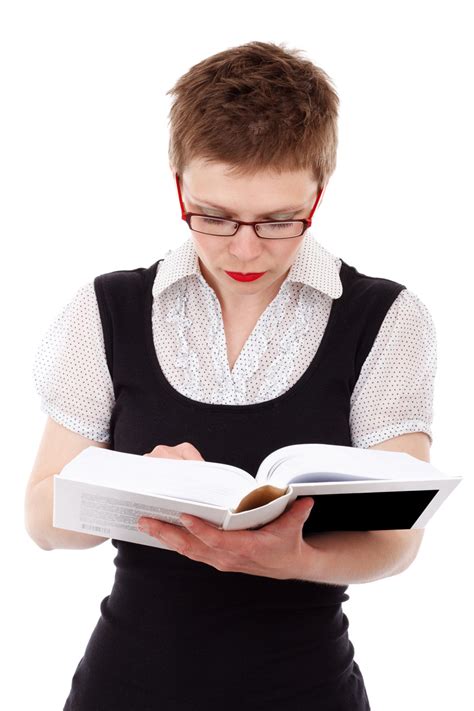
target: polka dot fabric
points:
(393, 395)
(70, 370)
(395, 388)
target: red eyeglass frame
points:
(186, 216)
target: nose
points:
(245, 246)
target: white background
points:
(86, 189)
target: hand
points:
(185, 450)
(276, 550)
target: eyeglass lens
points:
(215, 226)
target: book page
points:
(196, 480)
(321, 462)
(312, 476)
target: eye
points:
(212, 220)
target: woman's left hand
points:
(276, 550)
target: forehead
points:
(264, 193)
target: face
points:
(206, 189)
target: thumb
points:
(295, 515)
(305, 507)
(301, 508)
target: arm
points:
(72, 377)
(39, 521)
(57, 447)
(345, 557)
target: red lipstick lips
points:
(238, 276)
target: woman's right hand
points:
(185, 450)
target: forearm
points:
(39, 521)
(346, 557)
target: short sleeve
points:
(394, 392)
(70, 370)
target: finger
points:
(184, 450)
(181, 541)
(163, 450)
(234, 541)
(301, 509)
(189, 451)
(294, 516)
(172, 535)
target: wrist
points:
(311, 563)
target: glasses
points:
(268, 229)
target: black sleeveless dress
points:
(176, 634)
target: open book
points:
(104, 492)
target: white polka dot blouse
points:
(393, 394)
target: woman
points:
(248, 337)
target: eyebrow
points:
(284, 211)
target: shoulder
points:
(410, 314)
(119, 282)
(118, 275)
(368, 293)
(356, 277)
(76, 310)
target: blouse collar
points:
(314, 265)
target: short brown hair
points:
(257, 106)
